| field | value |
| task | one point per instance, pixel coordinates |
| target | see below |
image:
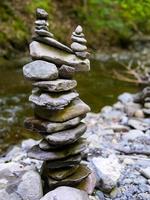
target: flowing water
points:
(97, 88)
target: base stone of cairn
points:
(58, 110)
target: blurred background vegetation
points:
(107, 23)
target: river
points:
(97, 88)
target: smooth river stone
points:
(41, 22)
(73, 149)
(81, 35)
(66, 193)
(40, 70)
(46, 127)
(54, 101)
(76, 108)
(83, 54)
(66, 137)
(66, 162)
(78, 47)
(52, 42)
(59, 57)
(78, 29)
(43, 33)
(62, 173)
(44, 145)
(41, 14)
(81, 173)
(79, 40)
(66, 71)
(58, 85)
(40, 28)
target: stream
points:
(97, 88)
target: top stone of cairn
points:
(41, 14)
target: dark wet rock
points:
(66, 71)
(44, 145)
(42, 27)
(43, 33)
(88, 184)
(58, 85)
(67, 162)
(61, 173)
(76, 108)
(52, 42)
(67, 193)
(46, 127)
(41, 14)
(72, 180)
(39, 154)
(40, 70)
(48, 53)
(66, 137)
(78, 47)
(146, 111)
(52, 101)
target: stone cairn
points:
(58, 110)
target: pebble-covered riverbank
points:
(118, 153)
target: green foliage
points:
(34, 4)
(106, 22)
(124, 17)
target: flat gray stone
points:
(83, 55)
(40, 70)
(73, 149)
(43, 33)
(59, 57)
(66, 193)
(58, 85)
(66, 137)
(54, 101)
(41, 22)
(78, 47)
(52, 42)
(42, 27)
(46, 127)
(79, 40)
(66, 71)
(44, 145)
(62, 173)
(81, 173)
(81, 35)
(66, 162)
(76, 108)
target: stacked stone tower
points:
(58, 110)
